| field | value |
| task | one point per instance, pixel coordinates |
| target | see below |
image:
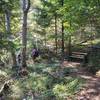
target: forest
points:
(49, 49)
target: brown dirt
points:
(91, 88)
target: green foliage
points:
(44, 18)
(62, 91)
(94, 57)
(12, 6)
(94, 62)
(44, 86)
(49, 81)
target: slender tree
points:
(56, 33)
(8, 30)
(62, 24)
(26, 7)
(7, 19)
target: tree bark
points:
(69, 47)
(7, 19)
(24, 31)
(69, 42)
(14, 58)
(62, 3)
(56, 33)
(24, 40)
(62, 39)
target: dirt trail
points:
(91, 89)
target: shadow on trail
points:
(91, 89)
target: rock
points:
(98, 73)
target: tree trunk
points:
(24, 39)
(62, 3)
(62, 39)
(26, 6)
(14, 58)
(45, 40)
(56, 33)
(69, 47)
(7, 18)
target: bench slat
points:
(80, 57)
(80, 53)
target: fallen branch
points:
(90, 38)
(52, 75)
(5, 88)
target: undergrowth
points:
(41, 85)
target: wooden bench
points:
(80, 53)
(79, 56)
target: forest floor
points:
(91, 88)
(21, 86)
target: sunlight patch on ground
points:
(91, 91)
(16, 90)
(86, 77)
(3, 73)
(70, 64)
